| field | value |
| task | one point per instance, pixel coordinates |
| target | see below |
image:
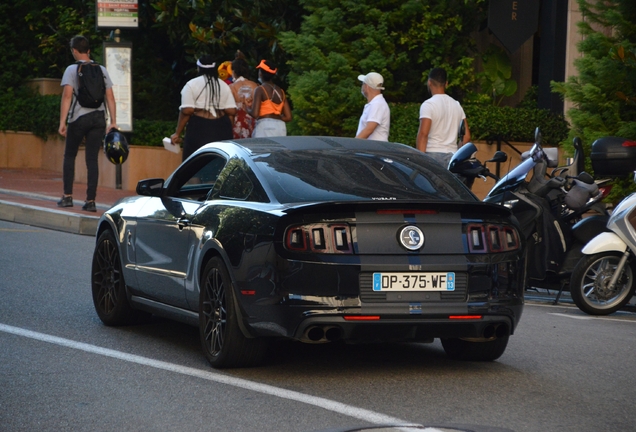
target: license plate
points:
(414, 281)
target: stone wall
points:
(25, 150)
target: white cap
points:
(373, 80)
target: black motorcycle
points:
(549, 207)
(467, 167)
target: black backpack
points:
(91, 86)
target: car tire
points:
(590, 278)
(223, 342)
(461, 349)
(108, 285)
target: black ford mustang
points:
(315, 239)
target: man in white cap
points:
(376, 117)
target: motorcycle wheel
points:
(589, 285)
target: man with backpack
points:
(87, 92)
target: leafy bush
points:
(405, 122)
(151, 132)
(22, 110)
(486, 122)
(515, 124)
(402, 40)
(604, 90)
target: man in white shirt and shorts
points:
(376, 117)
(440, 118)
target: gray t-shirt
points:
(70, 78)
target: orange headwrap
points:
(266, 68)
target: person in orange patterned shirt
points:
(243, 91)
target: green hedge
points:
(486, 122)
(151, 132)
(24, 111)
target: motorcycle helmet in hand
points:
(116, 147)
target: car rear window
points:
(349, 175)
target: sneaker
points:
(66, 201)
(89, 206)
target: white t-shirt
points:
(70, 78)
(376, 111)
(195, 94)
(446, 115)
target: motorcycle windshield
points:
(513, 179)
(461, 155)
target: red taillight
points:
(464, 317)
(605, 190)
(486, 238)
(319, 238)
(362, 317)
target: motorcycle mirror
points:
(461, 155)
(537, 136)
(585, 178)
(499, 157)
(461, 132)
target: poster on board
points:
(118, 63)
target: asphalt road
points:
(61, 369)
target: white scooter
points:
(603, 280)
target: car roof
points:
(257, 146)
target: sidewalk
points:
(29, 196)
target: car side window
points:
(237, 182)
(208, 174)
(237, 185)
(195, 180)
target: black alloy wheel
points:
(108, 285)
(223, 342)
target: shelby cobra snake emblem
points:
(412, 237)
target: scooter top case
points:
(613, 156)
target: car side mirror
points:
(150, 187)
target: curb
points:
(48, 218)
(37, 196)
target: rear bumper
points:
(328, 329)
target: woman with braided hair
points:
(207, 108)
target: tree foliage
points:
(604, 92)
(496, 77)
(34, 36)
(402, 40)
(219, 28)
(52, 25)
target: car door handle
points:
(182, 223)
